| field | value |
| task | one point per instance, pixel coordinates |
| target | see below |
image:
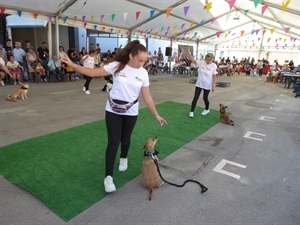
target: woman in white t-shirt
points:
(129, 78)
(206, 80)
(89, 62)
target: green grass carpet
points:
(65, 169)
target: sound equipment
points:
(168, 51)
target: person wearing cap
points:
(206, 81)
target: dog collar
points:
(24, 87)
(150, 154)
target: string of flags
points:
(87, 21)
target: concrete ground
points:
(251, 170)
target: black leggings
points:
(196, 97)
(87, 82)
(119, 129)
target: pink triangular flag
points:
(101, 17)
(263, 9)
(2, 10)
(214, 19)
(231, 3)
(218, 33)
(137, 14)
(287, 29)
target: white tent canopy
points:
(240, 24)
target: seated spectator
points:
(248, 69)
(41, 71)
(31, 59)
(55, 69)
(166, 68)
(14, 68)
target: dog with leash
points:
(224, 118)
(20, 93)
(151, 175)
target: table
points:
(288, 78)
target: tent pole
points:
(261, 43)
(56, 36)
(197, 49)
(170, 57)
(50, 39)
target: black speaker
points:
(168, 51)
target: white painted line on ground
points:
(61, 92)
(275, 108)
(219, 168)
(268, 119)
(249, 133)
(278, 100)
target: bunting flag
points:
(2, 10)
(287, 29)
(84, 24)
(185, 9)
(168, 28)
(35, 15)
(272, 30)
(195, 34)
(214, 19)
(95, 27)
(92, 18)
(182, 26)
(246, 12)
(258, 39)
(208, 6)
(292, 38)
(218, 34)
(168, 11)
(113, 16)
(226, 35)
(231, 3)
(175, 27)
(152, 13)
(280, 38)
(162, 29)
(256, 2)
(227, 17)
(192, 23)
(257, 31)
(264, 31)
(252, 32)
(65, 19)
(137, 14)
(263, 9)
(242, 32)
(83, 18)
(19, 13)
(284, 40)
(285, 5)
(75, 18)
(202, 22)
(111, 30)
(125, 16)
(101, 17)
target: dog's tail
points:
(150, 194)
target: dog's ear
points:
(226, 106)
(220, 105)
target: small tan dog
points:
(20, 93)
(224, 118)
(150, 175)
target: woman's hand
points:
(66, 59)
(161, 120)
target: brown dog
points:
(224, 118)
(20, 93)
(150, 175)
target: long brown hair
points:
(133, 47)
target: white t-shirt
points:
(2, 63)
(127, 85)
(205, 74)
(13, 66)
(89, 61)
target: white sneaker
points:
(109, 185)
(205, 112)
(83, 89)
(77, 78)
(87, 92)
(45, 80)
(191, 115)
(2, 83)
(123, 164)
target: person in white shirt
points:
(3, 68)
(89, 62)
(122, 106)
(206, 81)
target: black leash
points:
(203, 188)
